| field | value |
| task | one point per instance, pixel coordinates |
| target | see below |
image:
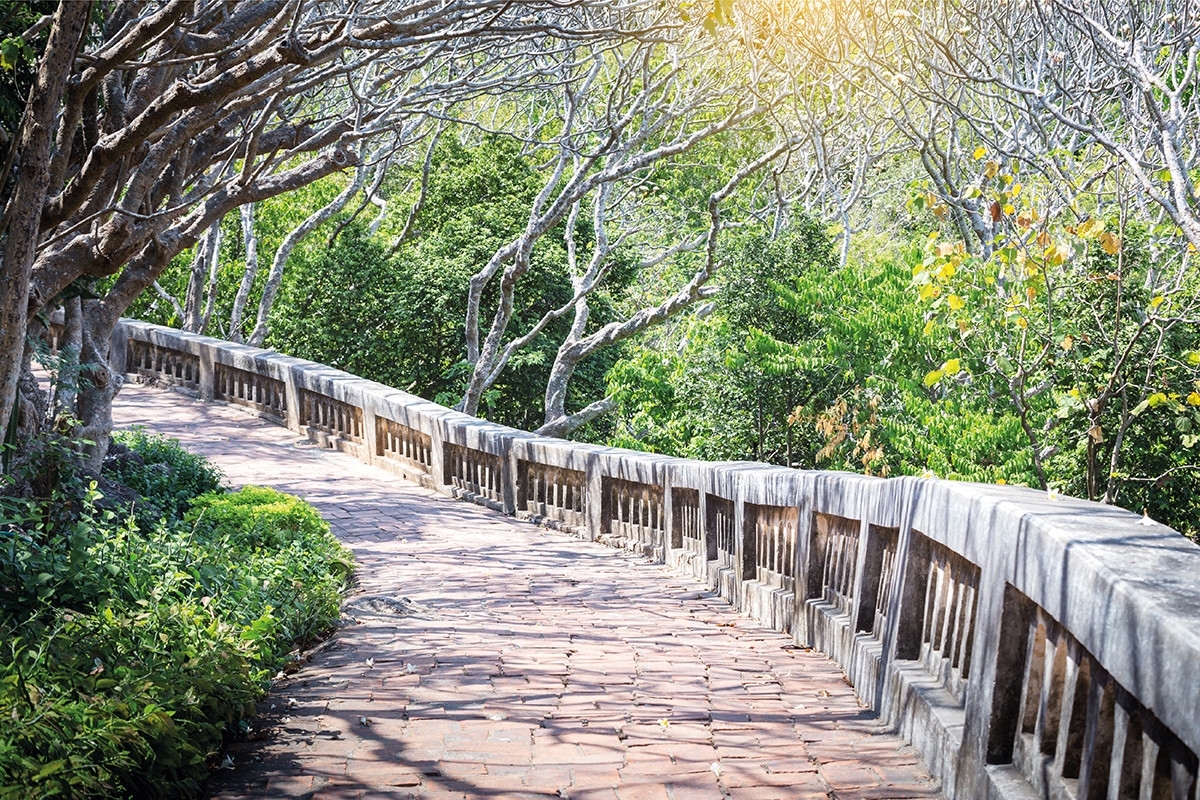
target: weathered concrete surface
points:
(527, 664)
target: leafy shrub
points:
(257, 516)
(43, 564)
(163, 473)
(129, 653)
(45, 483)
(282, 558)
(130, 701)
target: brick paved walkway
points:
(524, 663)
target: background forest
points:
(821, 349)
(955, 239)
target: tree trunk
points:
(23, 212)
(203, 266)
(33, 408)
(214, 272)
(70, 346)
(243, 292)
(97, 388)
(99, 384)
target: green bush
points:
(257, 516)
(130, 654)
(129, 701)
(169, 476)
(286, 559)
(43, 564)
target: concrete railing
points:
(1027, 646)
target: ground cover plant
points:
(136, 641)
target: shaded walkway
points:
(489, 658)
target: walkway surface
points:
(489, 658)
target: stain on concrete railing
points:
(1028, 646)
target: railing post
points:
(206, 375)
(593, 498)
(291, 388)
(743, 544)
(437, 457)
(370, 431)
(368, 402)
(668, 518)
(508, 478)
(805, 560)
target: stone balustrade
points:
(1028, 646)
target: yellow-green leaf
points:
(933, 377)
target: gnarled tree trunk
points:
(31, 154)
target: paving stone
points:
(541, 665)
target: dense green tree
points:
(717, 388)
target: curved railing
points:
(1027, 646)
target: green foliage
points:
(18, 57)
(167, 477)
(399, 318)
(257, 516)
(1076, 327)
(128, 701)
(45, 557)
(726, 387)
(815, 365)
(130, 655)
(13, 51)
